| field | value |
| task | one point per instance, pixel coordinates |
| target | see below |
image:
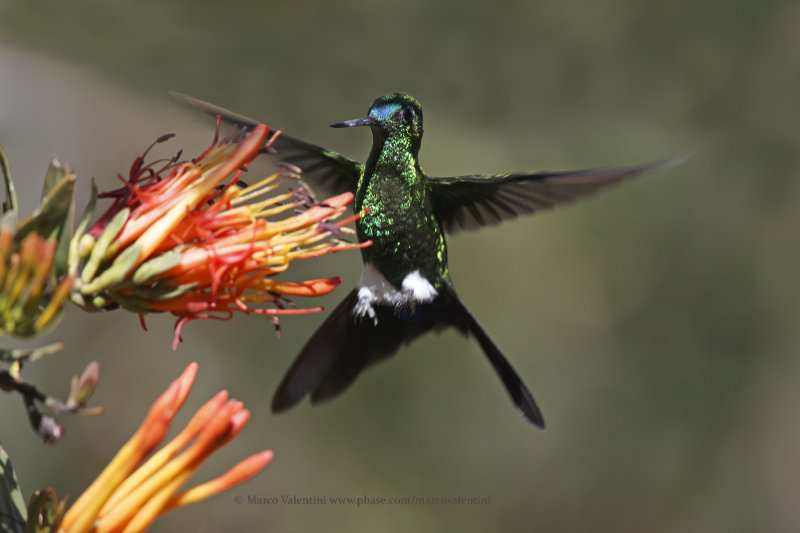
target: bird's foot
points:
(364, 307)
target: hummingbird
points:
(405, 289)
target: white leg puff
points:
(375, 289)
(418, 288)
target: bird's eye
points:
(407, 116)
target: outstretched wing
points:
(322, 167)
(468, 202)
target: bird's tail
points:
(516, 388)
(345, 345)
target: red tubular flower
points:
(191, 239)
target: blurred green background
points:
(656, 324)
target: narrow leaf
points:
(55, 173)
(73, 258)
(51, 216)
(115, 273)
(10, 202)
(163, 292)
(153, 267)
(13, 512)
(103, 242)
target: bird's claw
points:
(364, 305)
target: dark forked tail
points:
(344, 346)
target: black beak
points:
(366, 121)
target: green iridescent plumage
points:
(406, 290)
(400, 221)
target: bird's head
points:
(391, 115)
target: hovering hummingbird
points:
(405, 288)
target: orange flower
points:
(191, 239)
(27, 304)
(131, 492)
(33, 280)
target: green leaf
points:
(73, 258)
(10, 202)
(54, 213)
(140, 299)
(153, 267)
(55, 173)
(13, 512)
(162, 291)
(116, 273)
(103, 242)
(60, 264)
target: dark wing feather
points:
(322, 167)
(344, 346)
(468, 202)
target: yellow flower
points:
(189, 238)
(131, 492)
